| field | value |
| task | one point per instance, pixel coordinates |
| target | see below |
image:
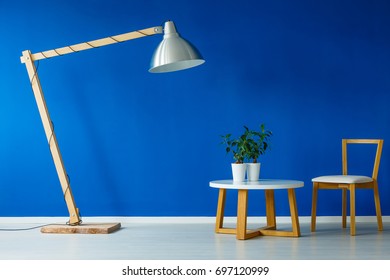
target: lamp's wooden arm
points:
(28, 59)
(51, 139)
(95, 43)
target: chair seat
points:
(342, 179)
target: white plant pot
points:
(253, 171)
(239, 171)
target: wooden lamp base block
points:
(83, 228)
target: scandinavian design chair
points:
(350, 183)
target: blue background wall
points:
(140, 144)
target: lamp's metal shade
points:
(174, 53)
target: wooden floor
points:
(193, 240)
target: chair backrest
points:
(378, 142)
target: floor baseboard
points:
(192, 219)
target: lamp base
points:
(83, 228)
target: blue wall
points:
(140, 144)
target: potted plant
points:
(257, 144)
(236, 147)
(249, 146)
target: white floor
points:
(191, 239)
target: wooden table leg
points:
(220, 210)
(270, 208)
(294, 213)
(242, 206)
(270, 229)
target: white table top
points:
(263, 184)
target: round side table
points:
(269, 186)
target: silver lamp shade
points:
(174, 53)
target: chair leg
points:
(314, 207)
(352, 209)
(378, 206)
(344, 211)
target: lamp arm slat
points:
(52, 140)
(95, 43)
(28, 59)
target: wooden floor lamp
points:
(173, 54)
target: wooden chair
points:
(350, 183)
